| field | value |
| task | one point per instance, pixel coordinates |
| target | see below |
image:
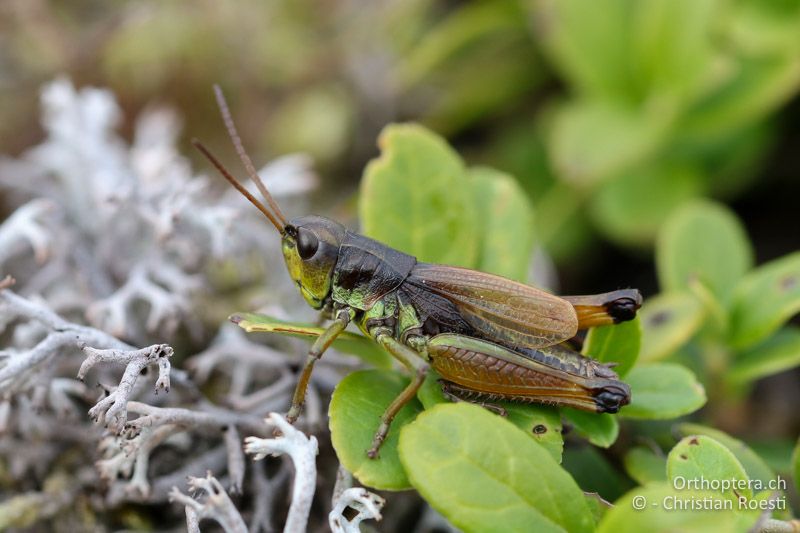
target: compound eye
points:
(307, 244)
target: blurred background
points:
(609, 118)
(611, 115)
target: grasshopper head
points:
(310, 247)
(310, 243)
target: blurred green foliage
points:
(669, 99)
(611, 115)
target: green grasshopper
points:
(489, 338)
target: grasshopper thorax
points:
(310, 246)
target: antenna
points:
(281, 227)
(248, 164)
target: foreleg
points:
(317, 349)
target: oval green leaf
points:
(356, 407)
(703, 241)
(484, 474)
(668, 322)
(600, 429)
(754, 465)
(764, 300)
(416, 197)
(619, 344)
(662, 391)
(699, 457)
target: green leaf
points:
(765, 299)
(631, 51)
(644, 466)
(506, 223)
(356, 407)
(631, 208)
(601, 429)
(703, 241)
(416, 197)
(618, 343)
(541, 422)
(663, 390)
(589, 52)
(699, 457)
(594, 141)
(347, 342)
(661, 514)
(755, 467)
(483, 474)
(777, 354)
(668, 322)
(796, 465)
(671, 46)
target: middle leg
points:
(413, 362)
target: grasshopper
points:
(488, 337)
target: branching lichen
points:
(303, 451)
(216, 505)
(367, 505)
(26, 225)
(112, 411)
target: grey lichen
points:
(116, 249)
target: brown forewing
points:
(502, 310)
